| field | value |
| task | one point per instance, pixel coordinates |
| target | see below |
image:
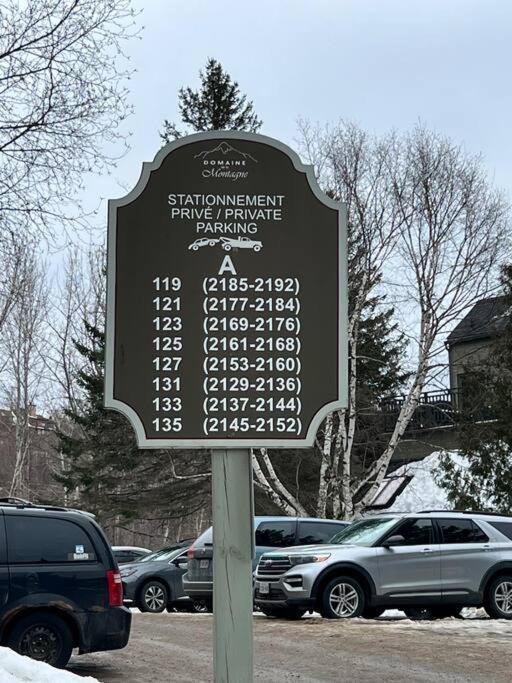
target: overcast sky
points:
(381, 63)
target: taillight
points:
(190, 552)
(115, 588)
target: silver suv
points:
(430, 564)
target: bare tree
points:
(453, 237)
(78, 295)
(24, 339)
(62, 98)
(11, 273)
(425, 207)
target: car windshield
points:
(163, 554)
(365, 532)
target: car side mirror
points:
(180, 562)
(397, 539)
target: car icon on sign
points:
(228, 243)
(202, 242)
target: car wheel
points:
(342, 598)
(212, 243)
(372, 612)
(498, 598)
(201, 607)
(290, 613)
(226, 247)
(195, 247)
(153, 597)
(257, 248)
(44, 637)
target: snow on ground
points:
(475, 622)
(422, 493)
(15, 668)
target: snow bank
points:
(422, 493)
(15, 668)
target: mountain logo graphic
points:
(224, 149)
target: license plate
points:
(204, 564)
(264, 587)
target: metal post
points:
(233, 550)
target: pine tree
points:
(486, 431)
(381, 350)
(380, 355)
(217, 105)
(106, 472)
(104, 468)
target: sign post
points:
(227, 328)
(233, 550)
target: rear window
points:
(461, 531)
(276, 534)
(45, 539)
(317, 532)
(206, 538)
(504, 528)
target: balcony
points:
(436, 410)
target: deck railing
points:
(436, 409)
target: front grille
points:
(274, 566)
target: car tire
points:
(226, 247)
(342, 598)
(498, 598)
(257, 248)
(290, 613)
(43, 637)
(201, 607)
(212, 243)
(153, 597)
(195, 247)
(431, 613)
(372, 612)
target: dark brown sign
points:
(227, 304)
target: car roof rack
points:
(468, 512)
(20, 503)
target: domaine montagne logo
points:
(225, 161)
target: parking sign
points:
(227, 297)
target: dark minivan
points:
(60, 586)
(270, 533)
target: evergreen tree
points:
(217, 105)
(486, 431)
(104, 468)
(106, 472)
(380, 356)
(381, 350)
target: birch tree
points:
(421, 215)
(24, 339)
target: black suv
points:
(60, 587)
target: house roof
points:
(8, 420)
(485, 320)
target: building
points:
(41, 459)
(470, 342)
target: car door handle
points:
(427, 550)
(486, 546)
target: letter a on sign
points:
(227, 266)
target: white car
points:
(240, 243)
(202, 242)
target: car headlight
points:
(127, 572)
(307, 559)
